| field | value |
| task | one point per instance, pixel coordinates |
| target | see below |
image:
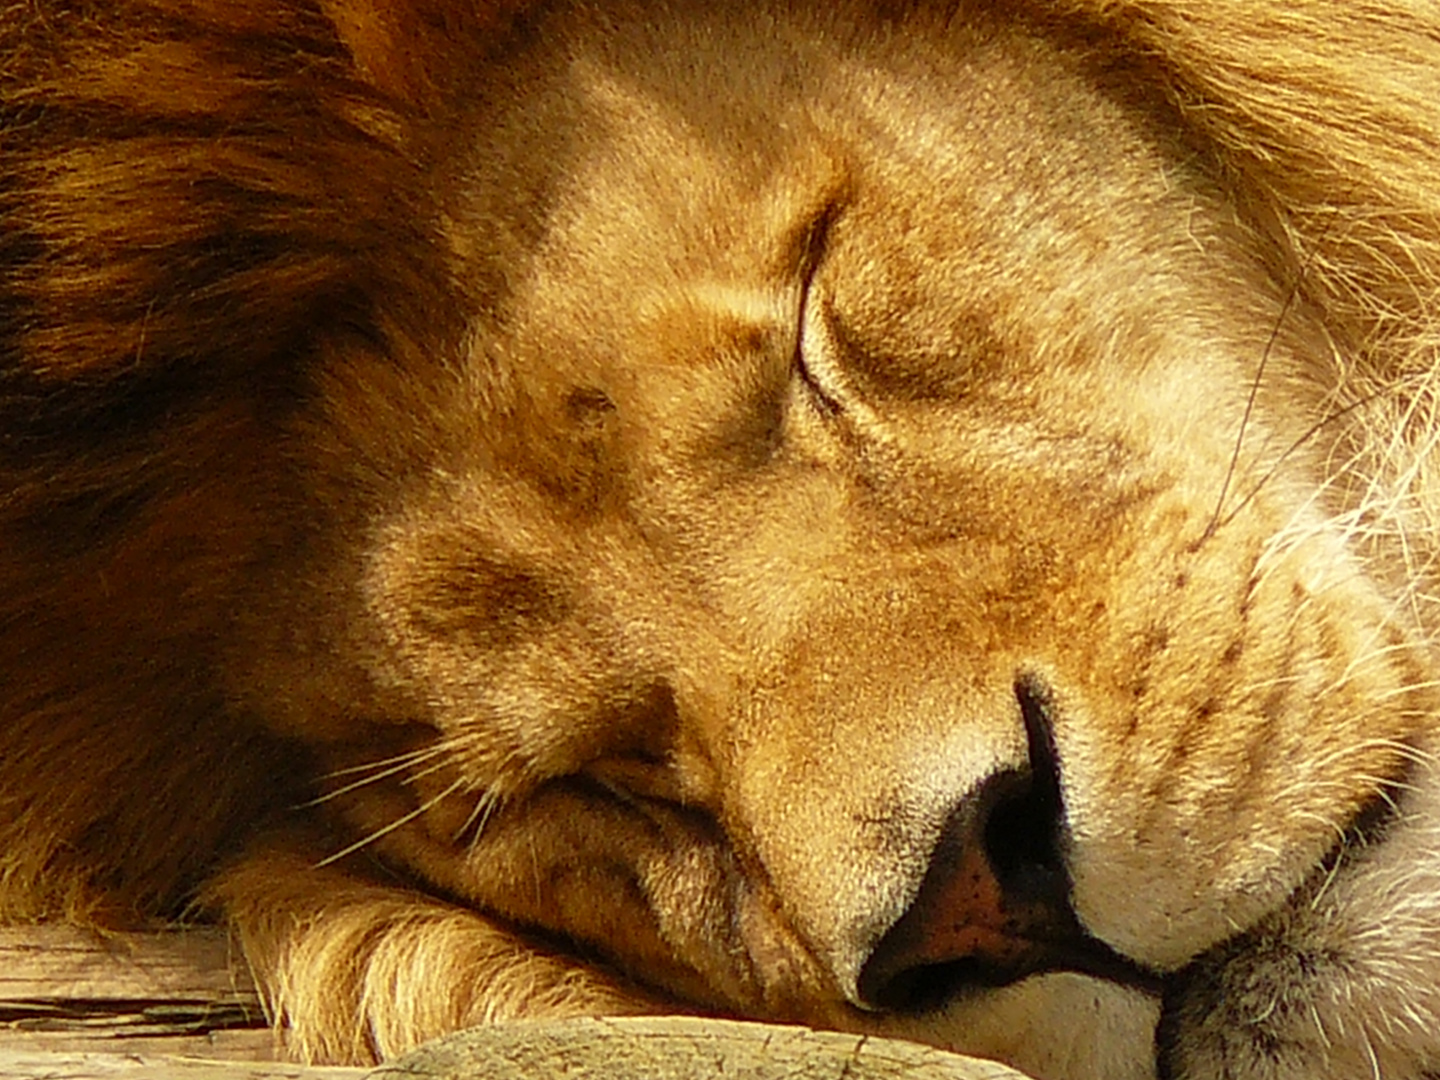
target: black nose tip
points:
(994, 904)
(1022, 828)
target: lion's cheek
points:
(1206, 783)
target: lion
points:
(914, 518)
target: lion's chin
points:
(1058, 1024)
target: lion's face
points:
(873, 543)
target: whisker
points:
(1330, 875)
(351, 770)
(1403, 750)
(396, 765)
(1309, 434)
(399, 822)
(1401, 691)
(479, 817)
(1372, 653)
(1290, 298)
(1250, 408)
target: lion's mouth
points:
(932, 986)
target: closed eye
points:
(814, 354)
(814, 342)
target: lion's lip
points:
(1090, 956)
(999, 960)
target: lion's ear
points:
(406, 48)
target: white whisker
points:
(399, 822)
(396, 765)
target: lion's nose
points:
(994, 903)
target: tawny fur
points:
(329, 562)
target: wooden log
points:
(58, 962)
(679, 1048)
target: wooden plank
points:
(61, 963)
(43, 1066)
(67, 992)
(115, 1037)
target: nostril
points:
(1022, 829)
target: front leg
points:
(353, 971)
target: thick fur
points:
(620, 507)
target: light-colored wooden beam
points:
(60, 963)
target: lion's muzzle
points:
(994, 905)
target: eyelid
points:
(814, 343)
(814, 240)
(635, 780)
(815, 352)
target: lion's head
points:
(914, 521)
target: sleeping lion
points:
(916, 517)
